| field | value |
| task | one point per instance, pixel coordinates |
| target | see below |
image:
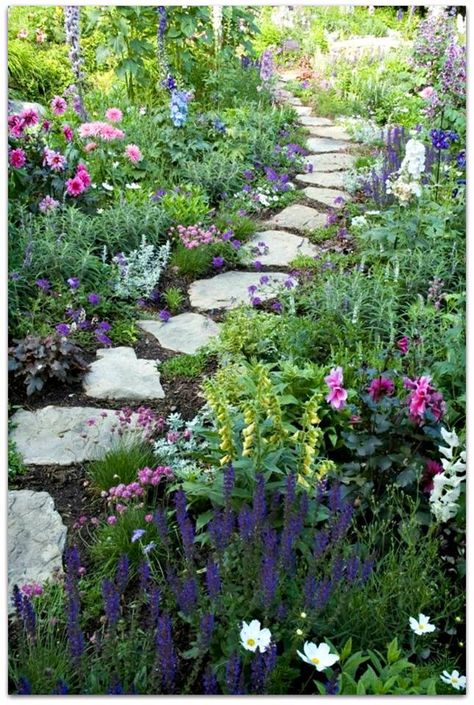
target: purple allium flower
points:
(63, 329)
(164, 315)
(218, 262)
(137, 534)
(94, 299)
(74, 283)
(111, 602)
(258, 265)
(167, 660)
(43, 284)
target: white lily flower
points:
(253, 637)
(318, 656)
(458, 682)
(421, 625)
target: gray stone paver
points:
(228, 290)
(318, 145)
(119, 374)
(283, 247)
(311, 121)
(334, 133)
(332, 161)
(332, 179)
(298, 217)
(326, 196)
(185, 333)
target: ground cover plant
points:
(271, 228)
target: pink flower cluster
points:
(337, 394)
(100, 129)
(31, 589)
(17, 158)
(79, 183)
(147, 476)
(48, 204)
(136, 489)
(133, 153)
(122, 491)
(146, 419)
(18, 122)
(193, 236)
(58, 105)
(381, 387)
(55, 160)
(114, 114)
(423, 399)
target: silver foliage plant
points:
(137, 273)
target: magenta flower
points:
(58, 105)
(132, 152)
(423, 398)
(83, 175)
(432, 468)
(74, 282)
(68, 133)
(29, 117)
(218, 262)
(75, 187)
(17, 158)
(63, 329)
(94, 299)
(403, 344)
(54, 160)
(337, 394)
(114, 114)
(111, 520)
(380, 387)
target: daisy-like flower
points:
(252, 637)
(114, 114)
(133, 153)
(458, 682)
(318, 656)
(421, 625)
(137, 534)
(58, 105)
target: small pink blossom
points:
(111, 520)
(83, 175)
(114, 114)
(22, 34)
(68, 133)
(30, 117)
(133, 153)
(148, 518)
(54, 160)
(381, 386)
(403, 344)
(48, 204)
(427, 93)
(109, 132)
(337, 394)
(58, 105)
(17, 158)
(90, 146)
(15, 126)
(31, 589)
(40, 36)
(74, 188)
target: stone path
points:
(36, 538)
(282, 248)
(328, 196)
(185, 333)
(119, 374)
(333, 179)
(227, 290)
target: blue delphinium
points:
(219, 126)
(441, 139)
(179, 107)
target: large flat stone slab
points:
(228, 290)
(36, 538)
(333, 161)
(312, 121)
(326, 196)
(319, 145)
(302, 109)
(298, 217)
(119, 374)
(64, 435)
(185, 333)
(282, 247)
(334, 132)
(332, 179)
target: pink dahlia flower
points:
(114, 114)
(337, 394)
(17, 158)
(84, 175)
(423, 399)
(15, 125)
(133, 153)
(432, 468)
(30, 117)
(75, 186)
(48, 204)
(58, 105)
(68, 133)
(54, 160)
(380, 387)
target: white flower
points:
(454, 679)
(450, 438)
(318, 656)
(133, 186)
(107, 187)
(421, 625)
(253, 637)
(359, 221)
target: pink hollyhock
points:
(114, 114)
(403, 344)
(379, 387)
(432, 468)
(75, 187)
(423, 398)
(48, 204)
(17, 158)
(58, 105)
(337, 394)
(30, 117)
(90, 146)
(68, 133)
(133, 153)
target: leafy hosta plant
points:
(38, 360)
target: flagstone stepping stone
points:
(63, 435)
(289, 75)
(303, 109)
(293, 100)
(334, 161)
(311, 121)
(334, 132)
(228, 290)
(333, 179)
(119, 374)
(185, 333)
(36, 538)
(326, 196)
(298, 217)
(317, 145)
(283, 247)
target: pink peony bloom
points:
(337, 394)
(30, 117)
(90, 146)
(114, 114)
(17, 158)
(68, 133)
(380, 387)
(423, 399)
(58, 105)
(427, 93)
(133, 153)
(48, 204)
(75, 187)
(403, 344)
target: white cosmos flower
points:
(421, 625)
(318, 656)
(454, 679)
(253, 637)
